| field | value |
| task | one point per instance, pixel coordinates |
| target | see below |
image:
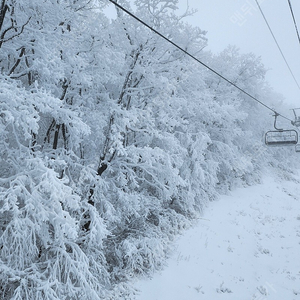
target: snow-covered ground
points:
(246, 247)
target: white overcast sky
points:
(239, 23)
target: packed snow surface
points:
(246, 247)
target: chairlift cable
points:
(196, 59)
(266, 21)
(295, 23)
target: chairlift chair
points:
(280, 137)
(297, 118)
(297, 148)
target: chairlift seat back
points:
(297, 148)
(281, 138)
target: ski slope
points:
(246, 247)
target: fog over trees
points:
(112, 141)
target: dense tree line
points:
(112, 141)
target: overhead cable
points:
(277, 44)
(196, 59)
(295, 23)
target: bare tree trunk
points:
(3, 11)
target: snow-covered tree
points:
(112, 141)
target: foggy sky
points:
(240, 23)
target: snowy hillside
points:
(246, 247)
(112, 142)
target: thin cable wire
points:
(277, 44)
(295, 23)
(196, 59)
